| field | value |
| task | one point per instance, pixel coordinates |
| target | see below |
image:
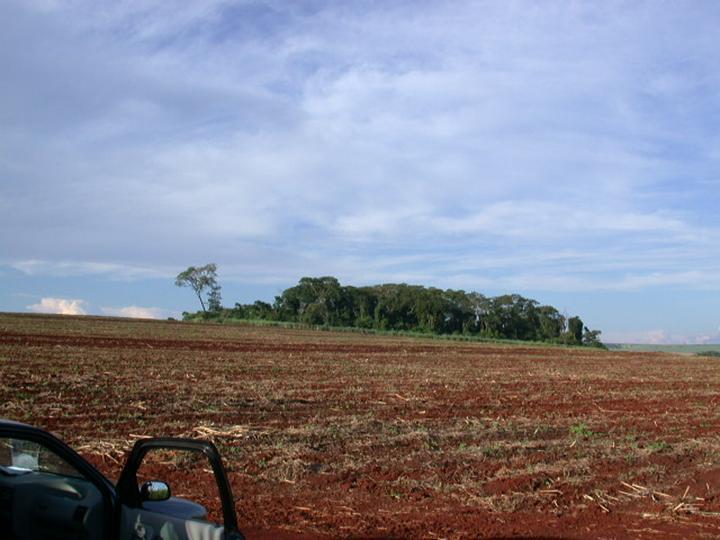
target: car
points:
(48, 491)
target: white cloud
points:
(61, 306)
(136, 312)
(66, 306)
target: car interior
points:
(44, 497)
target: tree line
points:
(323, 301)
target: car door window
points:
(190, 510)
(190, 478)
(23, 455)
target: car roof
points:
(6, 421)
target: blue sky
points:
(567, 151)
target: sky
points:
(566, 151)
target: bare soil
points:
(343, 435)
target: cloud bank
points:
(661, 337)
(66, 306)
(60, 306)
(136, 312)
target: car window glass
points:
(21, 455)
(189, 475)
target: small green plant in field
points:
(334, 432)
(492, 451)
(632, 439)
(658, 446)
(433, 442)
(714, 354)
(581, 430)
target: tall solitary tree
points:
(200, 279)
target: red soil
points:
(329, 435)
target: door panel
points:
(141, 524)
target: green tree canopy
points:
(324, 301)
(200, 279)
(575, 329)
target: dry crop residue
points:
(356, 436)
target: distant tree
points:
(214, 298)
(591, 338)
(550, 323)
(200, 279)
(260, 310)
(575, 330)
(479, 309)
(318, 301)
(358, 306)
(238, 312)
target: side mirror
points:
(154, 491)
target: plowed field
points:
(346, 435)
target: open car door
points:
(148, 512)
(49, 492)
